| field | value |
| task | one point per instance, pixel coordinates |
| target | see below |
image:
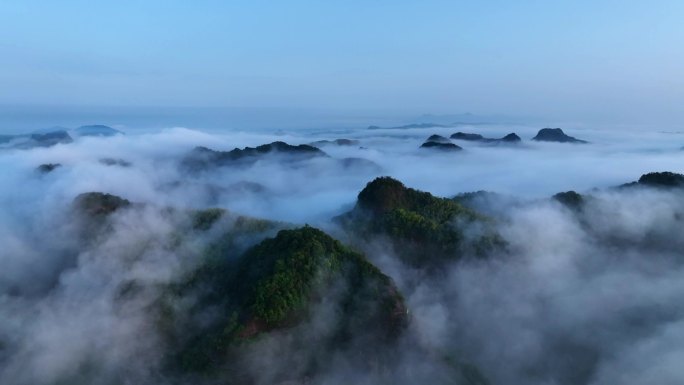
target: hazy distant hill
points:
(97, 130)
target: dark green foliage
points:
(555, 135)
(204, 219)
(92, 214)
(491, 204)
(194, 344)
(276, 147)
(290, 267)
(437, 138)
(424, 229)
(385, 194)
(220, 257)
(285, 270)
(202, 157)
(282, 275)
(273, 286)
(441, 146)
(47, 167)
(662, 179)
(468, 197)
(99, 204)
(570, 199)
(510, 138)
(338, 142)
(467, 136)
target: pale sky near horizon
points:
(615, 60)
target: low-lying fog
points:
(568, 308)
(315, 192)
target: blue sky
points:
(571, 59)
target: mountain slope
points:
(425, 230)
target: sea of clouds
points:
(580, 298)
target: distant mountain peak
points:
(555, 135)
(97, 130)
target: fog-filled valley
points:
(425, 253)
